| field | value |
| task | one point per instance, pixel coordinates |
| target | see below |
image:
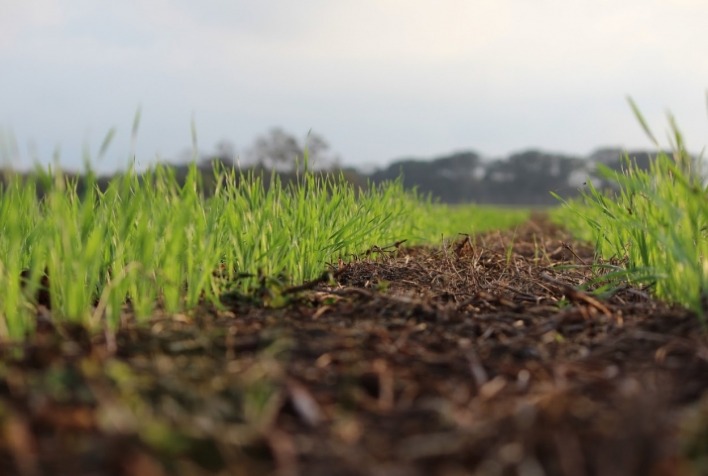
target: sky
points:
(378, 79)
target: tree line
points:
(523, 178)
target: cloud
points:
(546, 41)
(433, 71)
(16, 18)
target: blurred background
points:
(514, 94)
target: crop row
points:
(652, 228)
(146, 241)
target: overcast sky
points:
(379, 79)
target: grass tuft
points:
(655, 222)
(146, 240)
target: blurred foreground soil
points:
(485, 356)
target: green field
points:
(149, 241)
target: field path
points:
(483, 357)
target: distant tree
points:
(451, 178)
(280, 150)
(226, 152)
(276, 149)
(528, 176)
(464, 163)
(318, 151)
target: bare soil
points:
(487, 356)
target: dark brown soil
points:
(489, 356)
